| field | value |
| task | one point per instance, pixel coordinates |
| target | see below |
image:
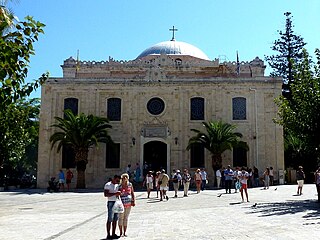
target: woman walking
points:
(198, 179)
(128, 200)
(156, 181)
(148, 182)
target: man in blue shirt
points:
(228, 175)
(61, 179)
(204, 179)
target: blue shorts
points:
(111, 215)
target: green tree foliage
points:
(19, 127)
(16, 48)
(80, 132)
(218, 138)
(300, 116)
(289, 48)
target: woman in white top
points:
(271, 176)
(266, 178)
(156, 181)
(218, 176)
(243, 177)
(149, 182)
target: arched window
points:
(72, 104)
(239, 108)
(114, 109)
(197, 108)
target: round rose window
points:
(155, 106)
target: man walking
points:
(61, 179)
(176, 182)
(237, 184)
(256, 176)
(111, 192)
(204, 178)
(186, 178)
(228, 175)
(300, 180)
(218, 176)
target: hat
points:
(178, 171)
(163, 171)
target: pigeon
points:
(275, 189)
(254, 205)
(219, 195)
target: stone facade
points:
(174, 79)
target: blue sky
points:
(123, 29)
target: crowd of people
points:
(120, 188)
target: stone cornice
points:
(163, 65)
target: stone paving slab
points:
(278, 214)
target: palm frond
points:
(217, 138)
(80, 131)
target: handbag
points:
(118, 206)
(238, 185)
(160, 181)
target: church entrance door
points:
(155, 155)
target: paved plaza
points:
(278, 214)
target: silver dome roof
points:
(175, 48)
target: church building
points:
(153, 101)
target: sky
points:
(122, 29)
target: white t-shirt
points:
(236, 174)
(149, 179)
(203, 175)
(113, 188)
(271, 172)
(243, 176)
(218, 173)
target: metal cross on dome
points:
(173, 30)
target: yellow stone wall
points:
(263, 136)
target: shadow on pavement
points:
(311, 208)
(43, 191)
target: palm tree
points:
(218, 138)
(80, 132)
(7, 17)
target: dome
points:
(175, 48)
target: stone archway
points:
(155, 155)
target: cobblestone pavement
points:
(278, 214)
